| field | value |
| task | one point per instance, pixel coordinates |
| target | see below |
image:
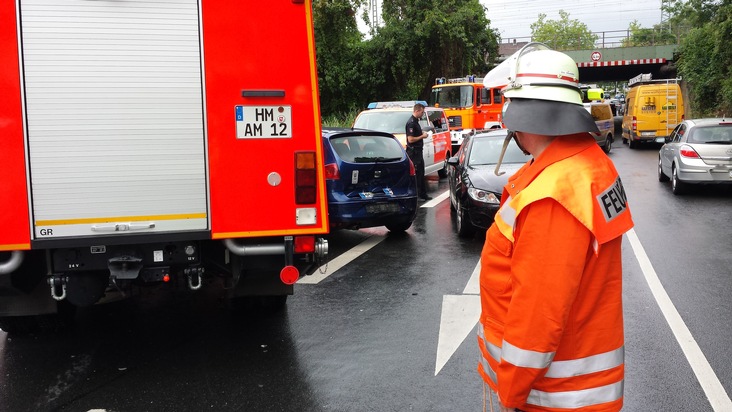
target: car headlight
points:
(483, 196)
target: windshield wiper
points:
(719, 142)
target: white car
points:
(392, 117)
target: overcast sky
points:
(514, 18)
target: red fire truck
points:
(469, 106)
(144, 143)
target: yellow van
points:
(653, 108)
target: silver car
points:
(698, 151)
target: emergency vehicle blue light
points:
(404, 104)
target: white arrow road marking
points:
(460, 313)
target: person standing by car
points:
(551, 334)
(415, 143)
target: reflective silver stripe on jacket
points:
(492, 350)
(577, 399)
(590, 364)
(526, 358)
(508, 214)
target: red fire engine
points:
(469, 106)
(145, 143)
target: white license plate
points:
(648, 134)
(382, 208)
(263, 122)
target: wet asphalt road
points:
(365, 338)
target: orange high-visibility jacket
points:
(551, 283)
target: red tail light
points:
(687, 151)
(304, 244)
(412, 170)
(305, 178)
(332, 172)
(635, 124)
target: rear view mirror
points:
(453, 161)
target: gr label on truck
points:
(263, 122)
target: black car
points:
(475, 190)
(369, 180)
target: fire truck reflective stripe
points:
(577, 399)
(590, 364)
(18, 246)
(525, 358)
(316, 117)
(119, 219)
(283, 232)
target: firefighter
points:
(551, 326)
(415, 143)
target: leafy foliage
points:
(563, 34)
(704, 56)
(640, 36)
(418, 42)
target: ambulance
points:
(169, 144)
(653, 108)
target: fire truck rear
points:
(469, 106)
(156, 143)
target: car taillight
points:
(412, 170)
(305, 178)
(332, 172)
(304, 244)
(635, 124)
(687, 151)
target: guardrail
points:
(605, 40)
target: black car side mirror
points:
(453, 161)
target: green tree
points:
(640, 36)
(563, 34)
(337, 43)
(422, 40)
(419, 41)
(704, 58)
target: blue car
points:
(370, 181)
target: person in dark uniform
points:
(415, 143)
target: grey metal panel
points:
(114, 110)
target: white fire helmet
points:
(537, 72)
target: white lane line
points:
(342, 260)
(437, 199)
(714, 390)
(473, 286)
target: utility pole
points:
(374, 11)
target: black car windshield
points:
(452, 96)
(486, 151)
(711, 135)
(367, 148)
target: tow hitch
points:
(194, 277)
(58, 286)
